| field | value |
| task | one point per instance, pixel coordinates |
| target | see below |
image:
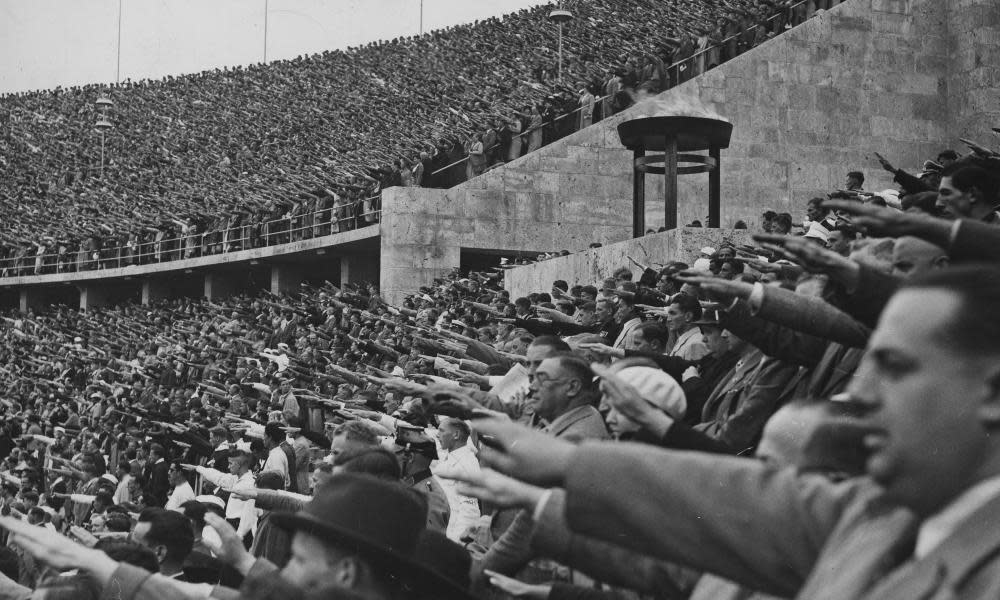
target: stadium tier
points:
(242, 157)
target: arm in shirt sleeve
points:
(218, 478)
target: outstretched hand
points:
(519, 589)
(57, 550)
(530, 456)
(497, 489)
(230, 550)
(881, 220)
(810, 255)
(452, 402)
(717, 288)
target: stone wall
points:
(807, 107)
(973, 69)
(424, 230)
(592, 266)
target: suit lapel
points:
(871, 541)
(949, 565)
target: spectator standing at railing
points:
(490, 140)
(477, 158)
(516, 143)
(535, 129)
(611, 87)
(587, 102)
(419, 168)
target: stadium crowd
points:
(242, 157)
(809, 416)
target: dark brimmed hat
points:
(377, 518)
(709, 318)
(382, 521)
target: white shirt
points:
(936, 529)
(464, 510)
(277, 461)
(244, 510)
(121, 492)
(180, 494)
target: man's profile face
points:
(548, 389)
(310, 565)
(176, 476)
(535, 354)
(641, 344)
(665, 285)
(676, 318)
(317, 477)
(713, 340)
(923, 397)
(953, 202)
(448, 437)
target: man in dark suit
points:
(218, 437)
(923, 525)
(158, 480)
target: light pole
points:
(102, 125)
(559, 16)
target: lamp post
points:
(559, 16)
(102, 125)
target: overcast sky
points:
(46, 43)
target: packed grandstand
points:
(811, 414)
(243, 157)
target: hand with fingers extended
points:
(717, 289)
(230, 549)
(57, 550)
(405, 387)
(761, 266)
(813, 257)
(531, 456)
(243, 493)
(86, 538)
(882, 220)
(885, 164)
(496, 488)
(519, 589)
(602, 349)
(452, 402)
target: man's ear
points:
(989, 410)
(348, 573)
(975, 194)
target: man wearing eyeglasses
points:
(564, 397)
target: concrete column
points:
(92, 296)
(358, 269)
(31, 298)
(403, 268)
(220, 287)
(154, 290)
(285, 279)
